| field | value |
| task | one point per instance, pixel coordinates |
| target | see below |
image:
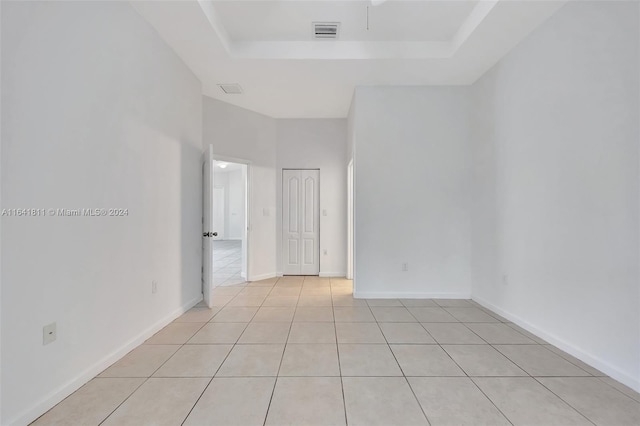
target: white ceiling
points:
(266, 46)
(291, 20)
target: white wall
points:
(237, 133)
(555, 140)
(94, 115)
(412, 192)
(318, 144)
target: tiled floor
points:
(227, 263)
(298, 351)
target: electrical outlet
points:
(154, 287)
(324, 212)
(325, 252)
(505, 279)
(49, 333)
(405, 267)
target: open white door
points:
(207, 226)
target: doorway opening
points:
(229, 246)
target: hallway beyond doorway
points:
(227, 264)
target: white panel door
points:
(218, 212)
(300, 222)
(207, 226)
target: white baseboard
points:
(593, 361)
(262, 276)
(54, 397)
(405, 295)
(332, 274)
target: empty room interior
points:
(364, 212)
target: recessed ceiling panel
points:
(394, 20)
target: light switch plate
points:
(49, 333)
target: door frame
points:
(350, 220)
(247, 205)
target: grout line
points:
(284, 349)
(404, 376)
(335, 329)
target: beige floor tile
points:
(315, 291)
(359, 332)
(310, 360)
(381, 401)
(312, 332)
(143, 361)
(283, 301)
(291, 279)
(235, 314)
(425, 360)
(527, 333)
(341, 291)
(90, 404)
(265, 332)
(575, 361)
(274, 314)
(392, 314)
(452, 333)
(428, 314)
(539, 361)
(288, 284)
(269, 282)
(453, 303)
(285, 292)
(220, 301)
(194, 361)
(622, 388)
(384, 302)
(324, 300)
(455, 401)
(402, 332)
(197, 315)
(594, 399)
(412, 303)
(497, 333)
(159, 402)
(233, 401)
(255, 291)
(367, 360)
(524, 401)
(341, 281)
(353, 314)
(348, 300)
(317, 281)
(176, 333)
(228, 290)
(482, 360)
(470, 314)
(314, 314)
(252, 360)
(244, 301)
(218, 333)
(307, 401)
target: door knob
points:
(209, 234)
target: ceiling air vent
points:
(231, 89)
(325, 30)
